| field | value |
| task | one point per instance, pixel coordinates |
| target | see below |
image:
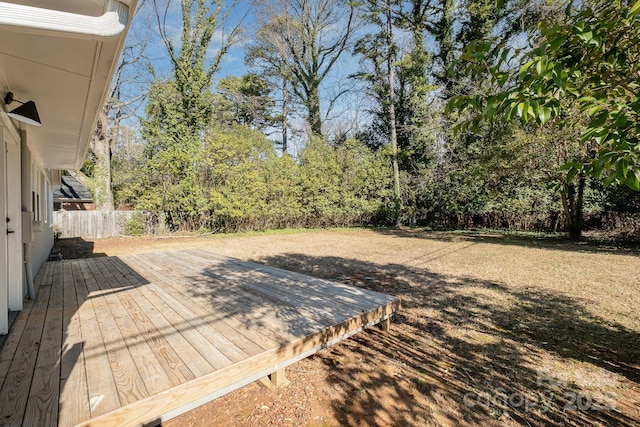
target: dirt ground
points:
(494, 330)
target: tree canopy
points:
(507, 115)
(590, 62)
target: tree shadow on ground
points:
(467, 351)
(544, 241)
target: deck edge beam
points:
(120, 414)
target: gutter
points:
(37, 20)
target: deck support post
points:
(275, 380)
(278, 379)
(386, 324)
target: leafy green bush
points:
(135, 226)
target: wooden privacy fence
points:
(95, 224)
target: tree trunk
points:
(445, 36)
(313, 107)
(392, 121)
(573, 203)
(100, 182)
(285, 114)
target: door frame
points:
(4, 258)
(15, 264)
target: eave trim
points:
(36, 20)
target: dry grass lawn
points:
(494, 330)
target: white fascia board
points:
(38, 20)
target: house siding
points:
(42, 244)
(36, 198)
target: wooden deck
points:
(138, 339)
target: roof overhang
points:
(61, 55)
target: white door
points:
(4, 273)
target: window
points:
(33, 205)
(38, 197)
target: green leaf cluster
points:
(593, 62)
(233, 180)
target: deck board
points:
(252, 341)
(74, 399)
(129, 383)
(342, 294)
(258, 308)
(15, 389)
(42, 402)
(183, 355)
(140, 338)
(260, 288)
(157, 361)
(102, 392)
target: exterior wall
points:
(39, 49)
(42, 244)
(37, 199)
(26, 211)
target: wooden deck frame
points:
(140, 339)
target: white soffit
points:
(62, 60)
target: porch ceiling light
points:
(26, 113)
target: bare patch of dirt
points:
(494, 330)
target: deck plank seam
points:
(49, 382)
